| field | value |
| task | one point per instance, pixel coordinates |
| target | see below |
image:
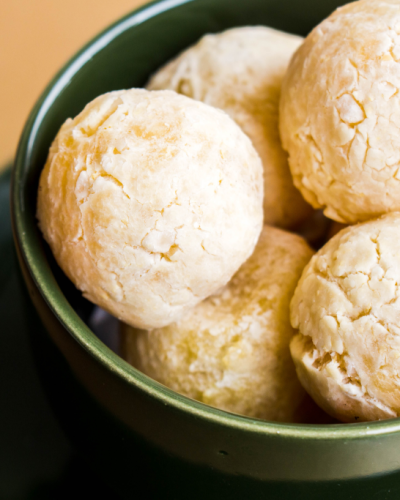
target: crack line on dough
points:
(352, 378)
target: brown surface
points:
(36, 38)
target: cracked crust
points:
(232, 350)
(150, 202)
(240, 71)
(347, 310)
(340, 112)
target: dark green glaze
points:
(132, 428)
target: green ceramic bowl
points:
(134, 431)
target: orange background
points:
(36, 38)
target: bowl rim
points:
(45, 282)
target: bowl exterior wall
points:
(136, 442)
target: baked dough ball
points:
(340, 112)
(232, 350)
(240, 71)
(150, 202)
(347, 310)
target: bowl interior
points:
(124, 56)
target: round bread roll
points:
(240, 71)
(150, 202)
(232, 350)
(347, 311)
(340, 112)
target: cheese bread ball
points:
(347, 311)
(150, 202)
(232, 350)
(340, 112)
(240, 71)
